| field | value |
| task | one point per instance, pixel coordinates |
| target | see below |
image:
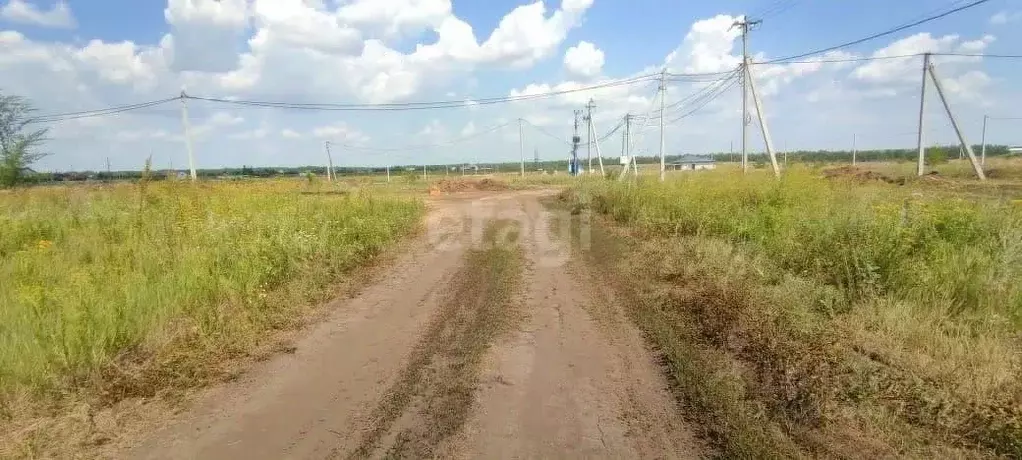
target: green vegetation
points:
(834, 317)
(19, 143)
(127, 290)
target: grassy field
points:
(836, 317)
(112, 291)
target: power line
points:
(980, 55)
(849, 59)
(58, 117)
(403, 106)
(778, 7)
(708, 97)
(547, 133)
(882, 34)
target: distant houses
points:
(1015, 150)
(691, 163)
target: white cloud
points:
(1004, 17)
(707, 47)
(341, 132)
(205, 34)
(904, 72)
(289, 133)
(21, 11)
(469, 129)
(433, 130)
(584, 60)
(392, 18)
(215, 122)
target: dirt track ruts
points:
(543, 366)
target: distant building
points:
(691, 163)
(1014, 150)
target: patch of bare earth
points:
(576, 380)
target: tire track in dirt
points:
(433, 395)
(576, 381)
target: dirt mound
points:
(860, 175)
(466, 185)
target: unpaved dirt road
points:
(486, 340)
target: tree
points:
(19, 143)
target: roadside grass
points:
(131, 290)
(820, 317)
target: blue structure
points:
(575, 166)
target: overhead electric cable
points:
(57, 117)
(423, 105)
(881, 34)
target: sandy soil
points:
(570, 378)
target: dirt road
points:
(485, 341)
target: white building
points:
(692, 163)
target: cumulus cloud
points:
(584, 60)
(21, 11)
(340, 132)
(1004, 17)
(205, 35)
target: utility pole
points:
(663, 115)
(535, 159)
(921, 166)
(330, 163)
(589, 133)
(761, 113)
(188, 134)
(983, 149)
(521, 145)
(731, 153)
(853, 149)
(108, 173)
(745, 25)
(954, 123)
(575, 139)
(626, 146)
(599, 155)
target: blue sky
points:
(80, 55)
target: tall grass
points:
(833, 317)
(956, 255)
(95, 278)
